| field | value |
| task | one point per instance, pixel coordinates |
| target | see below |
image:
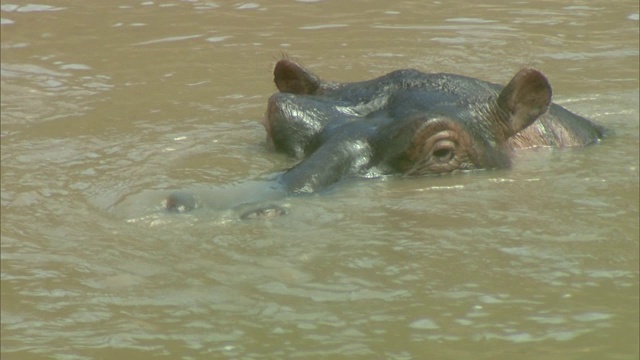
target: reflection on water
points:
(104, 115)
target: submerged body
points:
(407, 122)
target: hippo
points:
(406, 122)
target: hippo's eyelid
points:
(444, 144)
(444, 149)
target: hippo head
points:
(412, 122)
(405, 122)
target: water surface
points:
(105, 103)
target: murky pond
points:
(106, 104)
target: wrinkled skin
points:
(406, 122)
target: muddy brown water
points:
(107, 104)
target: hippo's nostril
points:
(180, 202)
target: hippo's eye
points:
(442, 153)
(444, 150)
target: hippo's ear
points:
(293, 78)
(525, 98)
